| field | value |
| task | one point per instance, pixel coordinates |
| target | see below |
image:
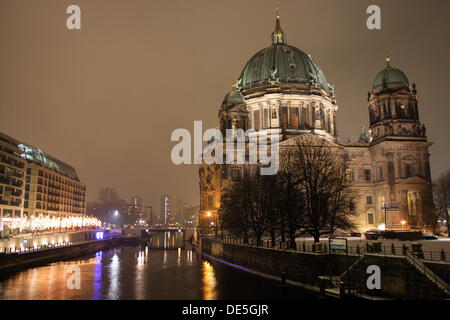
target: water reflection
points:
(209, 281)
(142, 273)
(113, 291)
(98, 276)
(165, 240)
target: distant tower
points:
(136, 201)
(135, 209)
(165, 209)
(148, 214)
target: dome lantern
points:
(390, 75)
(278, 36)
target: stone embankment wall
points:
(399, 279)
(17, 261)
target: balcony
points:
(4, 179)
(16, 203)
(17, 183)
(18, 174)
(52, 185)
(17, 193)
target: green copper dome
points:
(284, 64)
(281, 63)
(231, 99)
(390, 75)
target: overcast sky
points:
(106, 98)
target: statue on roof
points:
(364, 136)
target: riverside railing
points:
(41, 247)
(15, 250)
(371, 248)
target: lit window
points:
(349, 174)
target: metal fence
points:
(39, 248)
(371, 248)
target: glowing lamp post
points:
(116, 215)
(386, 206)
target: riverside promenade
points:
(404, 273)
(27, 251)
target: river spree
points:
(147, 272)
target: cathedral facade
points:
(281, 90)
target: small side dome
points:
(231, 99)
(390, 75)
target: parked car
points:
(429, 236)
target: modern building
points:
(281, 90)
(52, 188)
(12, 183)
(148, 215)
(165, 215)
(135, 209)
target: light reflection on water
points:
(140, 273)
(209, 281)
(98, 276)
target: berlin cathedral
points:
(282, 90)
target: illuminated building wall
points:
(165, 216)
(12, 182)
(52, 187)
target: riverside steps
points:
(404, 274)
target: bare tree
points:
(320, 168)
(291, 198)
(108, 200)
(309, 194)
(234, 214)
(442, 196)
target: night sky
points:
(106, 98)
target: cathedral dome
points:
(284, 63)
(281, 63)
(231, 99)
(390, 75)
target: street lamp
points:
(386, 206)
(116, 215)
